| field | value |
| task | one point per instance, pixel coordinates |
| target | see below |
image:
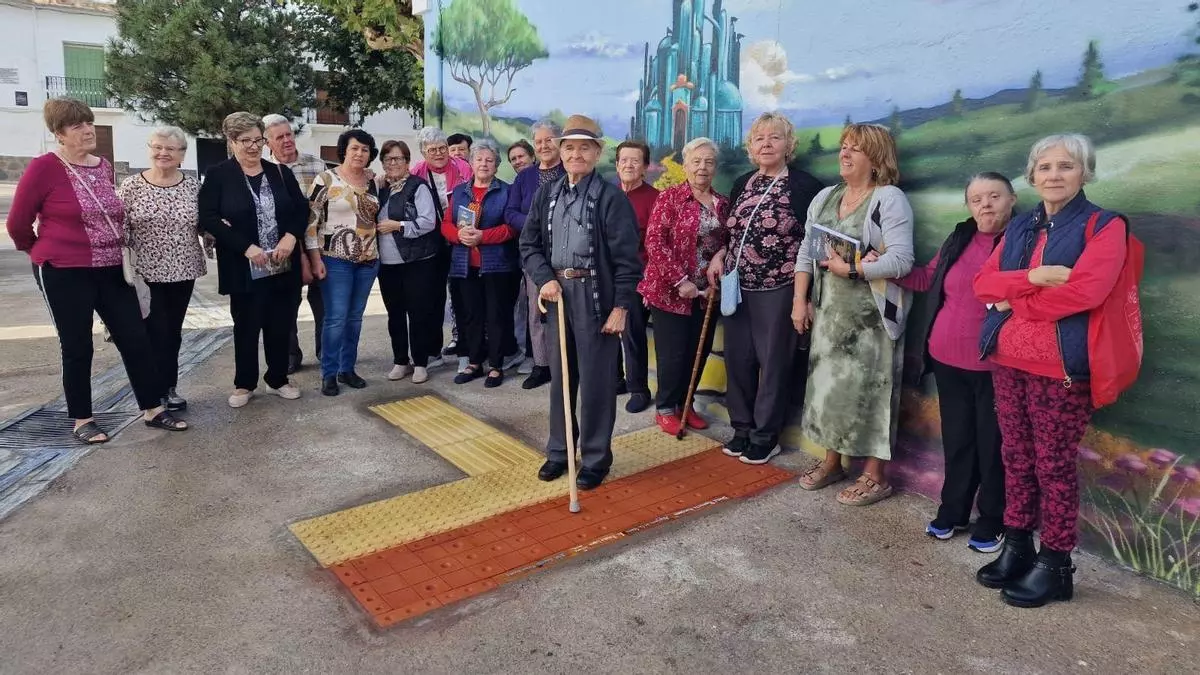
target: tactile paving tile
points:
(405, 581)
(359, 531)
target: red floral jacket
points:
(672, 247)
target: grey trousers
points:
(760, 344)
(592, 359)
(538, 336)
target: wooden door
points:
(104, 144)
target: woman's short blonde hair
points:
(876, 142)
(61, 113)
(1078, 146)
(776, 120)
(238, 123)
(697, 143)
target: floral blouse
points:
(342, 218)
(163, 228)
(679, 243)
(768, 260)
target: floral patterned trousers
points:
(1041, 422)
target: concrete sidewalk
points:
(170, 553)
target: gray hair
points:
(170, 133)
(238, 123)
(1078, 146)
(274, 119)
(548, 124)
(697, 143)
(485, 145)
(430, 136)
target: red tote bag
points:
(1115, 327)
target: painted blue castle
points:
(689, 87)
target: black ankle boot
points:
(1015, 560)
(1050, 579)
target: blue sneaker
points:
(938, 532)
(989, 545)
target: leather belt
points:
(573, 273)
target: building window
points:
(329, 154)
(327, 109)
(83, 76)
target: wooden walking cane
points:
(566, 394)
(696, 366)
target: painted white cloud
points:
(631, 96)
(766, 76)
(593, 43)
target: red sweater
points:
(491, 235)
(642, 199)
(72, 229)
(1029, 339)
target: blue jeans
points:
(345, 290)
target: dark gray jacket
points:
(617, 267)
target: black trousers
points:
(414, 307)
(317, 304)
(971, 441)
(632, 368)
(168, 307)
(268, 308)
(72, 294)
(591, 359)
(676, 338)
(447, 285)
(760, 344)
(485, 326)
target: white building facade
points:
(56, 48)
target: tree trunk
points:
(485, 119)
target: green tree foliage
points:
(485, 43)
(384, 24)
(814, 146)
(192, 62)
(1091, 73)
(894, 124)
(848, 121)
(360, 80)
(956, 103)
(435, 108)
(1035, 94)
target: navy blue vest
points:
(1065, 241)
(493, 257)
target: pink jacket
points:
(457, 171)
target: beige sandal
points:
(815, 478)
(864, 492)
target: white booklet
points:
(825, 238)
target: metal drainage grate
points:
(43, 428)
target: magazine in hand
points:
(271, 268)
(464, 217)
(846, 247)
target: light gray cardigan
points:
(888, 228)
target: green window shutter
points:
(84, 71)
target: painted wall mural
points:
(966, 86)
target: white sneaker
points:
(239, 398)
(399, 372)
(436, 362)
(463, 362)
(420, 375)
(512, 360)
(526, 367)
(287, 391)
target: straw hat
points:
(581, 127)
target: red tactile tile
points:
(415, 578)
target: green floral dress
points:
(854, 368)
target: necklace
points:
(851, 202)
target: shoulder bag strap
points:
(750, 221)
(67, 165)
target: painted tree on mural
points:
(485, 43)
(956, 103)
(1034, 95)
(1091, 74)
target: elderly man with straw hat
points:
(579, 244)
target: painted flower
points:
(1089, 455)
(1162, 457)
(1189, 506)
(1190, 473)
(1131, 463)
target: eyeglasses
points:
(394, 160)
(251, 142)
(165, 148)
(437, 149)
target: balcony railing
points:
(327, 115)
(89, 90)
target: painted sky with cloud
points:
(839, 59)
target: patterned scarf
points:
(264, 208)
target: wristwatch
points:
(853, 270)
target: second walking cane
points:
(697, 366)
(566, 394)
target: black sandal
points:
(164, 420)
(494, 378)
(88, 433)
(469, 374)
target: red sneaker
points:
(668, 423)
(695, 421)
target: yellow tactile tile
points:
(388, 523)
